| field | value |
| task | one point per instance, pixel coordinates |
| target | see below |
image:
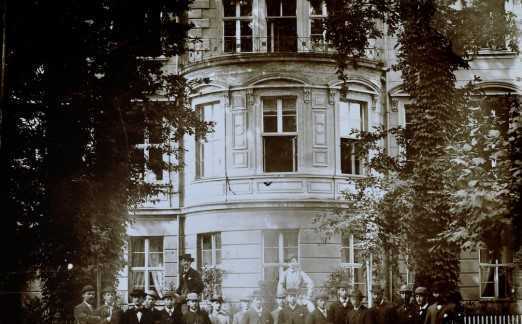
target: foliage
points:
(212, 277)
(70, 119)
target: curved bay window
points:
(353, 116)
(281, 24)
(237, 26)
(318, 14)
(279, 134)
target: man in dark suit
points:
(292, 313)
(359, 314)
(257, 314)
(170, 314)
(194, 314)
(137, 314)
(190, 279)
(109, 311)
(383, 310)
(150, 304)
(406, 311)
(421, 299)
(338, 310)
(320, 314)
(84, 313)
(280, 302)
(435, 310)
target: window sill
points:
(492, 53)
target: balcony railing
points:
(207, 48)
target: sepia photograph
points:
(261, 162)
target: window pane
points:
(230, 36)
(137, 159)
(156, 244)
(137, 280)
(289, 7)
(316, 27)
(270, 238)
(282, 34)
(505, 282)
(345, 254)
(218, 256)
(206, 242)
(156, 259)
(229, 8)
(350, 117)
(280, 153)
(138, 259)
(290, 239)
(358, 254)
(271, 274)
(217, 239)
(206, 257)
(487, 284)
(269, 115)
(246, 7)
(136, 126)
(156, 162)
(273, 7)
(347, 156)
(289, 252)
(155, 134)
(271, 255)
(289, 114)
(246, 36)
(138, 244)
(316, 8)
(486, 256)
(156, 281)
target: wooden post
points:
(98, 285)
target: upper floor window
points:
(279, 134)
(493, 35)
(353, 116)
(281, 24)
(237, 26)
(318, 14)
(209, 249)
(146, 269)
(207, 151)
(352, 259)
(496, 274)
(278, 247)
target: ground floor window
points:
(354, 262)
(209, 249)
(278, 247)
(146, 269)
(496, 274)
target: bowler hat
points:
(291, 291)
(186, 256)
(87, 288)
(137, 292)
(151, 293)
(192, 296)
(216, 298)
(108, 290)
(357, 294)
(405, 288)
(170, 294)
(421, 291)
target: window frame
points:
(201, 143)
(213, 249)
(321, 17)
(497, 265)
(363, 127)
(238, 18)
(280, 250)
(280, 129)
(351, 265)
(146, 269)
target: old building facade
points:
(281, 153)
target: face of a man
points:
(356, 301)
(137, 301)
(192, 305)
(420, 299)
(321, 303)
(185, 264)
(405, 296)
(88, 297)
(280, 301)
(291, 299)
(149, 301)
(343, 292)
(377, 296)
(293, 265)
(169, 302)
(257, 302)
(108, 298)
(216, 306)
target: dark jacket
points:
(199, 317)
(253, 317)
(337, 312)
(293, 316)
(131, 316)
(406, 313)
(317, 317)
(175, 318)
(420, 315)
(361, 316)
(83, 314)
(432, 314)
(190, 282)
(385, 313)
(105, 313)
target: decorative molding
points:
(240, 159)
(320, 158)
(319, 128)
(374, 103)
(320, 187)
(331, 96)
(307, 95)
(250, 97)
(289, 186)
(395, 105)
(239, 125)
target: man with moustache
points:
(292, 313)
(280, 302)
(137, 314)
(406, 311)
(84, 313)
(149, 304)
(338, 310)
(439, 293)
(190, 280)
(257, 314)
(217, 315)
(421, 299)
(359, 314)
(109, 311)
(319, 314)
(244, 304)
(170, 314)
(194, 314)
(383, 310)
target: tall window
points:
(352, 117)
(493, 27)
(318, 15)
(146, 263)
(209, 249)
(496, 274)
(207, 151)
(279, 134)
(281, 25)
(237, 26)
(278, 246)
(352, 259)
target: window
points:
(352, 117)
(352, 259)
(318, 15)
(237, 26)
(493, 28)
(279, 134)
(209, 152)
(146, 263)
(281, 25)
(209, 249)
(496, 274)
(278, 246)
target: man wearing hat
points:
(280, 302)
(359, 314)
(244, 304)
(338, 310)
(170, 314)
(109, 311)
(319, 315)
(149, 304)
(421, 299)
(217, 315)
(84, 313)
(383, 310)
(406, 310)
(257, 314)
(194, 314)
(137, 314)
(292, 313)
(439, 294)
(190, 279)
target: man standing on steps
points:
(190, 281)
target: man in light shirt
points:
(295, 278)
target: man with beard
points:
(292, 313)
(439, 292)
(257, 314)
(421, 299)
(190, 280)
(149, 304)
(244, 305)
(194, 315)
(338, 310)
(383, 311)
(406, 310)
(137, 314)
(170, 314)
(280, 302)
(84, 312)
(109, 311)
(217, 315)
(319, 314)
(359, 314)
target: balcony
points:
(205, 49)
